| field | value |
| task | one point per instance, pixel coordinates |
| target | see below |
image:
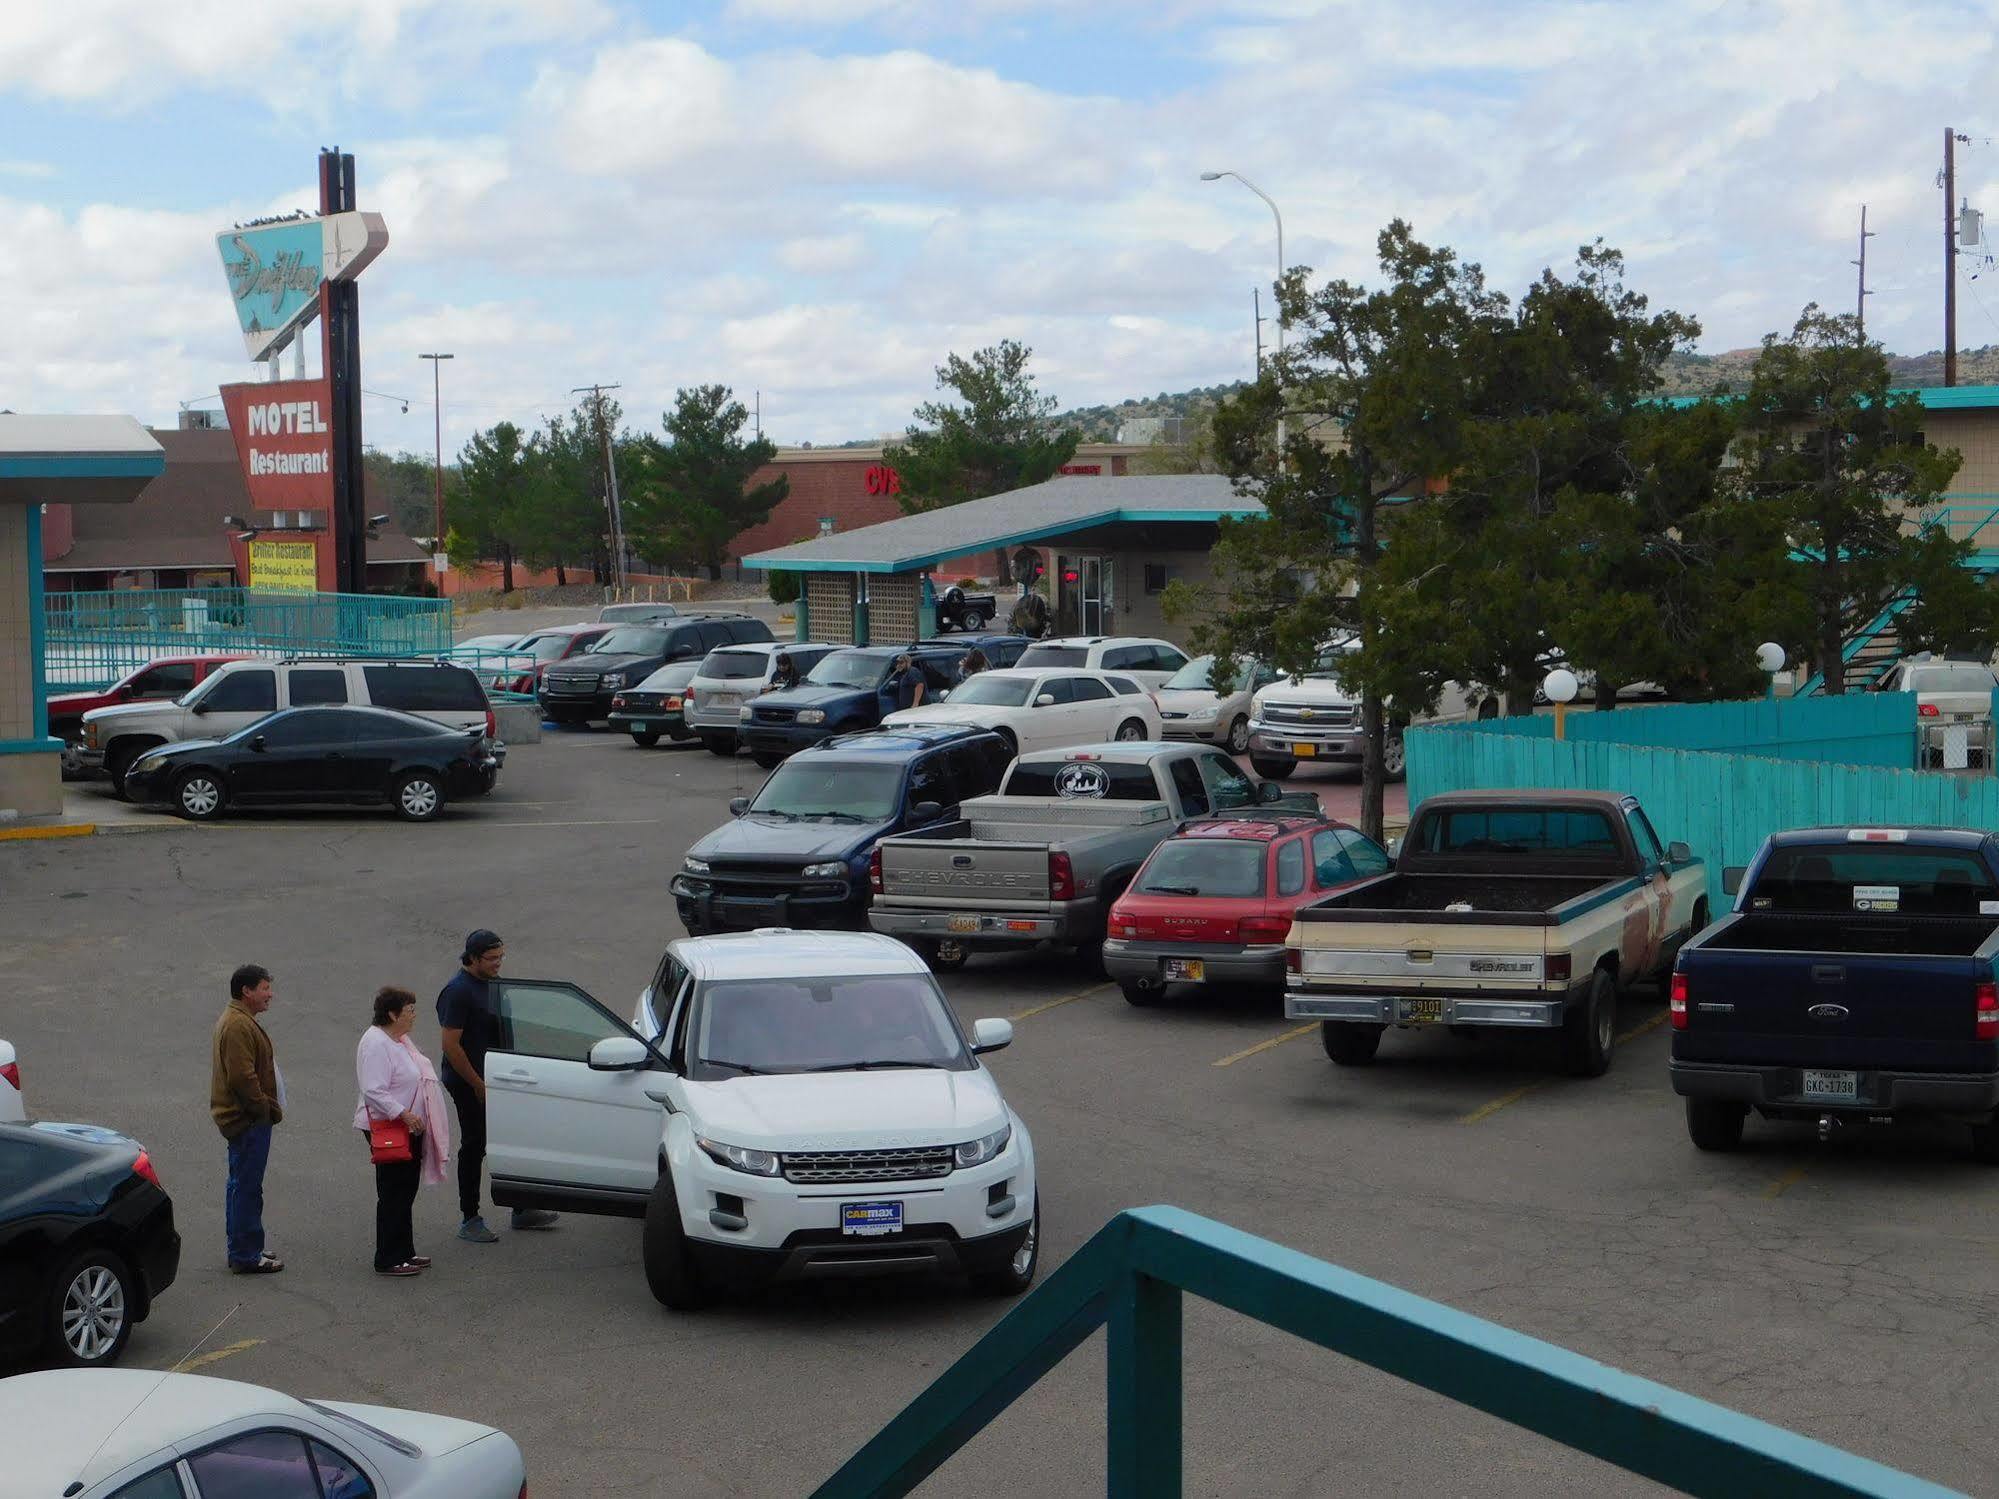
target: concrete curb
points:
(47, 830)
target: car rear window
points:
(1958, 676)
(1120, 783)
(1054, 655)
(1889, 877)
(730, 666)
(1222, 867)
(424, 689)
(1517, 830)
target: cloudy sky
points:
(821, 198)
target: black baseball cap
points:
(480, 943)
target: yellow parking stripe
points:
(1053, 1004)
(1249, 1051)
(1785, 1182)
(1642, 1027)
(1487, 1110)
(213, 1356)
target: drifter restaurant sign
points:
(275, 269)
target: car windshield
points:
(1955, 676)
(848, 669)
(1054, 655)
(668, 677)
(729, 666)
(631, 640)
(1205, 866)
(994, 692)
(814, 788)
(831, 1024)
(1194, 676)
(545, 647)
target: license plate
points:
(963, 924)
(639, 728)
(1844, 1085)
(724, 699)
(1423, 1011)
(1304, 751)
(1186, 970)
(1960, 718)
(863, 1220)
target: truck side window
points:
(1291, 866)
(1368, 857)
(997, 757)
(1643, 836)
(168, 680)
(243, 692)
(930, 781)
(1227, 785)
(1193, 795)
(972, 772)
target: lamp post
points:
(1770, 657)
(437, 431)
(1559, 686)
(1216, 177)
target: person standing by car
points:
(975, 662)
(246, 1094)
(470, 1024)
(908, 682)
(398, 1083)
(783, 673)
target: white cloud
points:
(817, 255)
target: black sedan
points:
(87, 1241)
(657, 706)
(321, 757)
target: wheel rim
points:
(419, 798)
(200, 796)
(1131, 730)
(1238, 736)
(93, 1312)
(1023, 1257)
(1605, 1023)
(1391, 757)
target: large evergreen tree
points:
(695, 496)
(492, 507)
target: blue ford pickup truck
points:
(1855, 982)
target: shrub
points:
(783, 587)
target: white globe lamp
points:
(1559, 687)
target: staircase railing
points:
(1130, 1279)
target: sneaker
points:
(533, 1218)
(474, 1231)
(405, 1268)
(421, 1261)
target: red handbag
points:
(389, 1141)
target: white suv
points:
(784, 1105)
(1150, 661)
(730, 676)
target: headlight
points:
(832, 869)
(147, 764)
(743, 715)
(986, 1148)
(812, 715)
(614, 680)
(741, 1157)
(694, 866)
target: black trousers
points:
(471, 1142)
(395, 1197)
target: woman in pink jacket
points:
(398, 1082)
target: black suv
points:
(580, 688)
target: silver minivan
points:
(730, 676)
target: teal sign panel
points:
(274, 272)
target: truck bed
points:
(1929, 936)
(1512, 899)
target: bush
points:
(783, 587)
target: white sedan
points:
(1038, 710)
(139, 1434)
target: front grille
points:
(772, 715)
(1331, 717)
(917, 1164)
(572, 684)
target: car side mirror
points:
(200, 707)
(738, 805)
(1731, 878)
(944, 694)
(1046, 700)
(1678, 853)
(991, 1035)
(922, 812)
(1269, 793)
(259, 743)
(619, 1054)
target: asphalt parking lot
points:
(1847, 1291)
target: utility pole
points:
(437, 436)
(1950, 256)
(611, 482)
(1256, 311)
(1860, 302)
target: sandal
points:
(265, 1264)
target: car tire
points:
(670, 1271)
(720, 744)
(1131, 731)
(971, 620)
(418, 797)
(765, 760)
(1716, 1124)
(92, 1304)
(646, 740)
(117, 760)
(1017, 1274)
(1271, 770)
(1350, 1043)
(1145, 993)
(1587, 1032)
(1238, 740)
(1394, 759)
(198, 795)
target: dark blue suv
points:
(797, 852)
(848, 690)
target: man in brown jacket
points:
(245, 1094)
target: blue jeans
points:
(243, 1204)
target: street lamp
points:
(437, 429)
(1770, 660)
(1559, 687)
(1216, 177)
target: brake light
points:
(1555, 968)
(618, 701)
(1987, 1026)
(12, 1072)
(1061, 878)
(1264, 929)
(144, 1167)
(1294, 959)
(875, 871)
(1122, 924)
(1928, 710)
(1676, 1005)
(492, 723)
(674, 702)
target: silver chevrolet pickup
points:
(1044, 858)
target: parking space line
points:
(1642, 1027)
(1487, 1110)
(1055, 1004)
(1785, 1182)
(213, 1356)
(1249, 1051)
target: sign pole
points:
(340, 319)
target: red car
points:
(554, 643)
(162, 678)
(1213, 903)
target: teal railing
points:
(95, 638)
(1130, 1279)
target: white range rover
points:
(784, 1105)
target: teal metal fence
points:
(95, 638)
(1130, 1279)
(1720, 776)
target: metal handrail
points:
(1130, 1278)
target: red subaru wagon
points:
(1213, 903)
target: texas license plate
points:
(1423, 1011)
(863, 1220)
(1839, 1085)
(963, 924)
(1304, 751)
(1186, 970)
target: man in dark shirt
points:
(908, 682)
(470, 1026)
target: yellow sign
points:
(284, 566)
